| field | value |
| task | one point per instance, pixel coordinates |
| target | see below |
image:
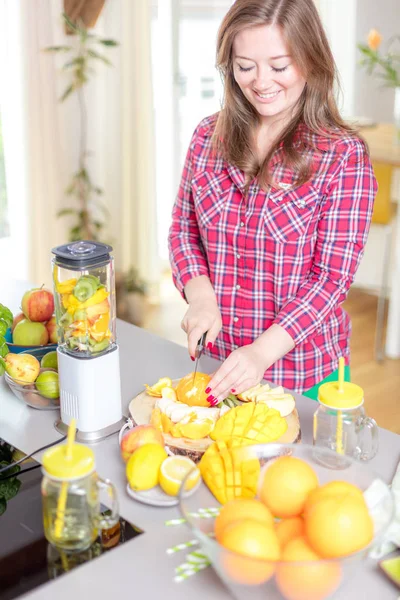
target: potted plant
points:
(131, 293)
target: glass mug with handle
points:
(71, 491)
(340, 422)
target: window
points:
(4, 224)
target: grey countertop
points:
(141, 566)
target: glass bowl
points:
(27, 392)
(257, 579)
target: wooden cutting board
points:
(140, 408)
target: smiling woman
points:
(274, 206)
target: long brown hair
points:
(238, 120)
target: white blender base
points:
(90, 392)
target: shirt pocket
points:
(289, 213)
(209, 198)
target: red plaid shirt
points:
(285, 256)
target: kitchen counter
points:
(142, 566)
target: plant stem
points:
(83, 188)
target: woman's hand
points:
(244, 368)
(203, 314)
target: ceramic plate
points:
(156, 496)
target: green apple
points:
(47, 384)
(49, 360)
(30, 333)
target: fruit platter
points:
(179, 410)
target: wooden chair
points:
(383, 216)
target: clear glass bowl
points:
(27, 392)
(312, 580)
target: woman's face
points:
(265, 72)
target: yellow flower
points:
(374, 39)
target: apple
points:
(51, 327)
(93, 312)
(22, 367)
(38, 304)
(16, 320)
(47, 384)
(142, 434)
(28, 333)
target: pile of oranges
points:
(296, 531)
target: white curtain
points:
(31, 138)
(41, 136)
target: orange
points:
(242, 508)
(258, 546)
(193, 394)
(286, 485)
(333, 488)
(310, 579)
(338, 525)
(288, 529)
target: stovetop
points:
(27, 560)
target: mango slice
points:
(230, 471)
(155, 419)
(250, 423)
(193, 430)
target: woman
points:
(274, 207)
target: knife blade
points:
(199, 351)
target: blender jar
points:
(84, 295)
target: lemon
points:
(143, 467)
(174, 470)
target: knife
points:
(199, 351)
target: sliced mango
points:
(193, 430)
(166, 423)
(230, 471)
(250, 423)
(156, 389)
(155, 419)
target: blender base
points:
(88, 437)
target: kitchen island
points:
(141, 566)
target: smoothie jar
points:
(340, 422)
(71, 492)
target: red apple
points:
(142, 434)
(51, 327)
(38, 304)
(28, 333)
(16, 320)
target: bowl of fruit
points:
(281, 524)
(33, 377)
(34, 327)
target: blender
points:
(88, 354)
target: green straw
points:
(182, 546)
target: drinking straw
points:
(62, 499)
(339, 425)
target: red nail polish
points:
(214, 402)
(233, 391)
(193, 358)
(208, 390)
(210, 399)
(210, 345)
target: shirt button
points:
(241, 223)
(237, 255)
(238, 287)
(235, 319)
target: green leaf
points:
(3, 351)
(108, 42)
(3, 328)
(6, 314)
(66, 211)
(98, 56)
(72, 63)
(70, 23)
(58, 49)
(3, 506)
(67, 92)
(10, 487)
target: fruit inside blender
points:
(83, 311)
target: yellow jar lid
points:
(350, 396)
(57, 464)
